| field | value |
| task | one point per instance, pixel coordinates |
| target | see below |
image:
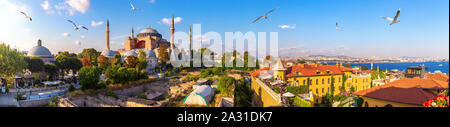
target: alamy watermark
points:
(257, 45)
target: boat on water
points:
(440, 65)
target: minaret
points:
(190, 43)
(132, 32)
(107, 35)
(172, 30)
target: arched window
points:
(317, 81)
(323, 81)
(304, 82)
(388, 105)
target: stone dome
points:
(149, 32)
(40, 51)
(108, 53)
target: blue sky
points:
(423, 30)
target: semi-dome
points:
(130, 53)
(149, 32)
(40, 51)
(108, 53)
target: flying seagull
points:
(133, 8)
(337, 27)
(395, 20)
(77, 27)
(26, 16)
(264, 16)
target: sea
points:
(432, 66)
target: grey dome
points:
(149, 32)
(130, 53)
(108, 53)
(40, 51)
(150, 53)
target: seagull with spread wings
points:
(395, 20)
(134, 8)
(264, 16)
(77, 27)
(26, 16)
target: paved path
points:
(7, 101)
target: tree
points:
(117, 60)
(142, 61)
(51, 70)
(131, 62)
(89, 77)
(9, 57)
(364, 68)
(85, 62)
(163, 54)
(226, 85)
(347, 65)
(102, 61)
(35, 64)
(91, 54)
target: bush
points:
(226, 85)
(118, 74)
(142, 96)
(301, 103)
(298, 89)
(111, 93)
(243, 94)
(89, 77)
(53, 102)
(20, 96)
(71, 88)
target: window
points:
(317, 81)
(304, 82)
(339, 79)
(317, 91)
(323, 90)
(323, 81)
(328, 80)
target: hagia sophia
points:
(149, 41)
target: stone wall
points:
(264, 96)
(34, 103)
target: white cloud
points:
(288, 26)
(79, 5)
(83, 37)
(152, 1)
(66, 34)
(168, 21)
(72, 6)
(46, 6)
(77, 42)
(95, 24)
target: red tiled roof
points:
(312, 69)
(410, 91)
(440, 77)
(256, 73)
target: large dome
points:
(40, 51)
(149, 32)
